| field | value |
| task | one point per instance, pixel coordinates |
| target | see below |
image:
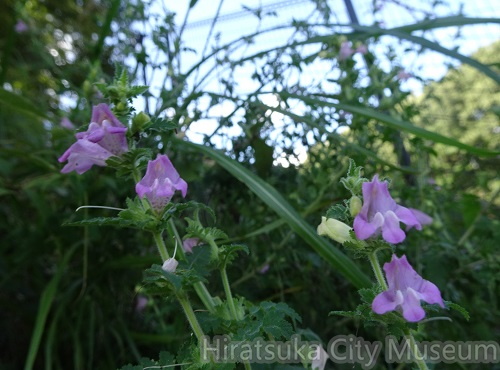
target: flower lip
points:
(160, 182)
(381, 213)
(406, 289)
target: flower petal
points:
(430, 293)
(407, 217)
(412, 311)
(364, 228)
(391, 231)
(386, 301)
(82, 155)
(102, 112)
(422, 218)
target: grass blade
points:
(46, 300)
(396, 124)
(278, 203)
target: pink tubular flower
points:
(104, 138)
(381, 212)
(406, 290)
(345, 51)
(21, 27)
(362, 49)
(160, 182)
(403, 75)
(189, 244)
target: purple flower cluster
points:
(380, 214)
(104, 138)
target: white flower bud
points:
(335, 230)
(170, 265)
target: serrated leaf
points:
(161, 125)
(101, 221)
(457, 307)
(138, 216)
(129, 162)
(339, 212)
(155, 274)
(350, 314)
(133, 91)
(227, 253)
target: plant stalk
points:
(200, 288)
(377, 270)
(227, 290)
(193, 321)
(162, 249)
(417, 357)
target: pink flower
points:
(345, 50)
(160, 183)
(264, 269)
(422, 218)
(381, 213)
(66, 123)
(104, 138)
(141, 303)
(406, 290)
(403, 75)
(189, 244)
(362, 49)
(21, 27)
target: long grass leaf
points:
(46, 301)
(397, 124)
(278, 203)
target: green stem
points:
(377, 270)
(161, 246)
(193, 321)
(227, 290)
(417, 357)
(200, 288)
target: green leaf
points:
(46, 301)
(21, 104)
(396, 124)
(133, 91)
(101, 221)
(161, 125)
(227, 253)
(155, 275)
(457, 307)
(275, 200)
(404, 33)
(339, 212)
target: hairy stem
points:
(193, 321)
(417, 356)
(377, 270)
(161, 246)
(200, 288)
(227, 290)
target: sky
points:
(236, 19)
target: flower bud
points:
(355, 205)
(335, 230)
(170, 265)
(139, 121)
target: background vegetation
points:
(69, 296)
